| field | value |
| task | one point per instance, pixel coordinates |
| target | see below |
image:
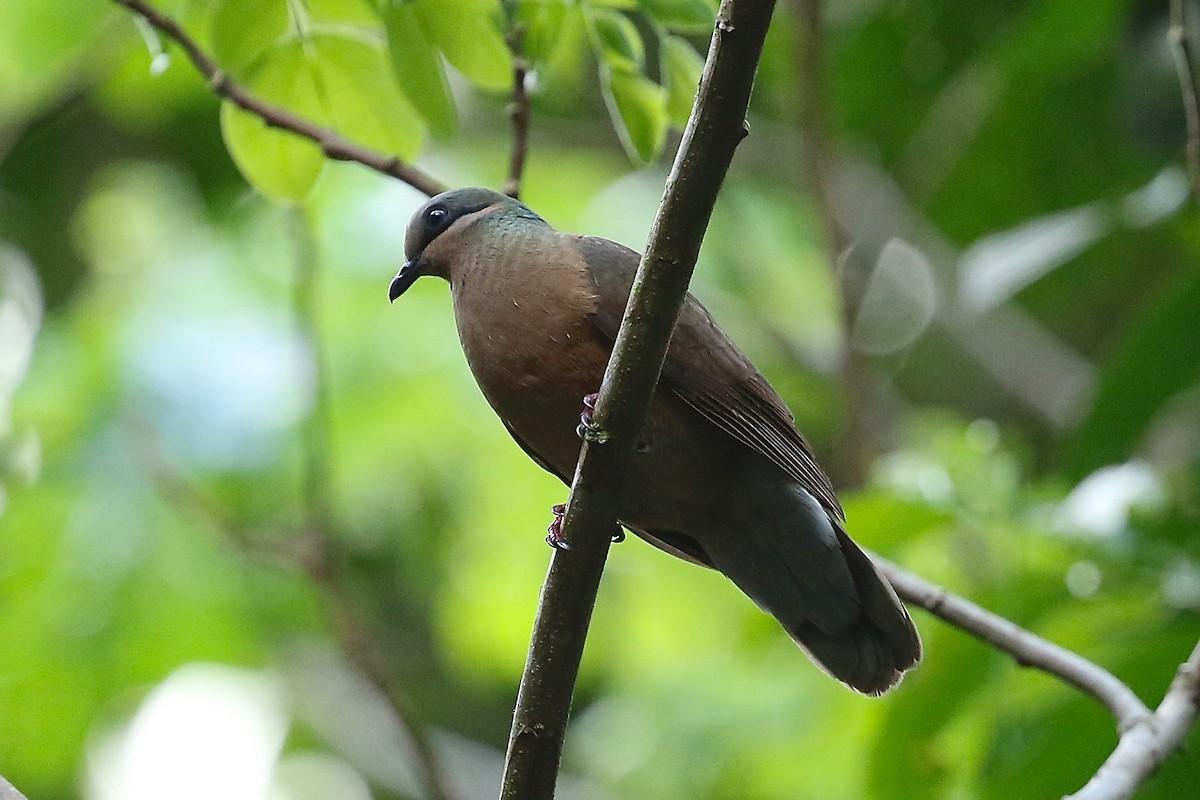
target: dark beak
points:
(405, 278)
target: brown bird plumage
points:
(720, 477)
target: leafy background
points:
(198, 369)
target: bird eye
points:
(435, 217)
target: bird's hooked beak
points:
(406, 277)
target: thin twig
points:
(1179, 35)
(809, 45)
(313, 552)
(569, 593)
(332, 144)
(713, 132)
(324, 562)
(1146, 745)
(1029, 649)
(320, 560)
(520, 109)
(316, 485)
(852, 452)
(312, 548)
(8, 791)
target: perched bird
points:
(720, 475)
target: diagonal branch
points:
(313, 547)
(1146, 745)
(1029, 649)
(8, 791)
(324, 565)
(569, 593)
(312, 551)
(332, 144)
(713, 132)
(852, 451)
(1180, 36)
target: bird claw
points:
(587, 429)
(554, 536)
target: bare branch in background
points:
(324, 565)
(313, 551)
(1147, 744)
(315, 547)
(8, 791)
(1180, 36)
(713, 132)
(852, 450)
(332, 144)
(1029, 649)
(519, 111)
(539, 723)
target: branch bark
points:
(1146, 745)
(713, 132)
(1180, 37)
(322, 561)
(332, 144)
(1029, 649)
(520, 109)
(313, 548)
(8, 791)
(709, 142)
(852, 453)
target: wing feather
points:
(708, 372)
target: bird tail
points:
(872, 653)
(827, 595)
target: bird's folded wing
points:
(707, 370)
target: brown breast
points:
(522, 313)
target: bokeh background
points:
(242, 498)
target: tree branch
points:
(852, 452)
(314, 547)
(8, 791)
(713, 132)
(1146, 745)
(323, 562)
(520, 109)
(1180, 37)
(709, 142)
(332, 144)
(314, 552)
(1029, 649)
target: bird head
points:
(437, 228)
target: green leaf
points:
(338, 81)
(418, 67)
(681, 67)
(468, 33)
(543, 24)
(616, 40)
(638, 107)
(243, 30)
(346, 12)
(362, 101)
(281, 165)
(681, 15)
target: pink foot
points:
(554, 536)
(586, 426)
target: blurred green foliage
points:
(1019, 161)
